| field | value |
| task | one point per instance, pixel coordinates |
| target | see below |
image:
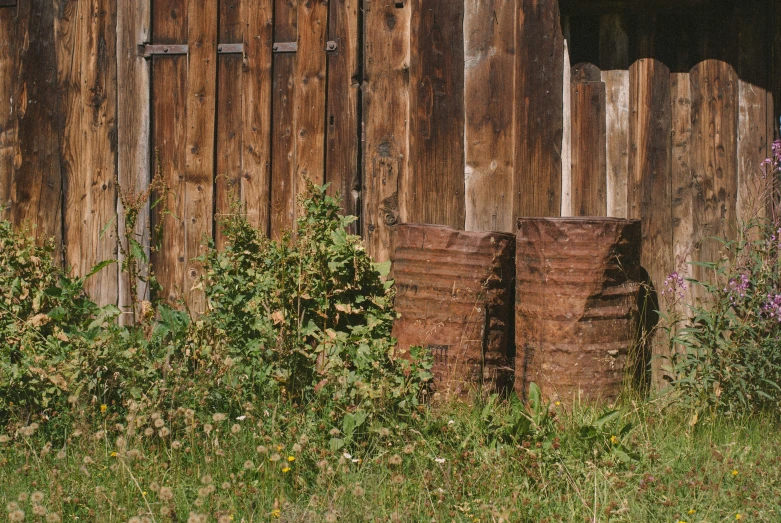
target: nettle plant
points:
(310, 317)
(728, 347)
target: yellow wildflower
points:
(738, 516)
(113, 454)
(286, 469)
(734, 472)
(692, 511)
(291, 459)
(614, 440)
(103, 408)
(275, 513)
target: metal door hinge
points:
(292, 47)
(150, 50)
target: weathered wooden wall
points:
(466, 113)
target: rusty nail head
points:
(165, 50)
(219, 49)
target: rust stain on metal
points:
(454, 293)
(577, 287)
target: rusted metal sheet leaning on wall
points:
(454, 294)
(577, 314)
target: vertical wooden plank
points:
(682, 183)
(649, 196)
(617, 126)
(199, 142)
(540, 87)
(255, 182)
(434, 185)
(37, 179)
(85, 33)
(714, 87)
(385, 110)
(589, 163)
(229, 146)
(133, 128)
(283, 189)
(344, 83)
(8, 48)
(310, 105)
(489, 85)
(566, 140)
(169, 94)
(754, 104)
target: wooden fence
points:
(466, 113)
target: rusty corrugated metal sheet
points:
(576, 304)
(454, 293)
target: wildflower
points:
(291, 459)
(176, 444)
(286, 469)
(225, 519)
(121, 443)
(165, 494)
(159, 422)
(12, 506)
(440, 460)
(358, 491)
(398, 479)
(4, 438)
(261, 449)
(52, 517)
(275, 513)
(16, 515)
(206, 479)
(734, 472)
(614, 440)
(198, 502)
(61, 454)
(248, 465)
(236, 428)
(558, 403)
(134, 519)
(165, 510)
(36, 497)
(408, 449)
(103, 408)
(322, 464)
(164, 432)
(207, 428)
(330, 517)
(23, 497)
(335, 432)
(149, 431)
(347, 455)
(226, 485)
(304, 439)
(395, 460)
(218, 417)
(241, 418)
(275, 457)
(738, 516)
(451, 422)
(88, 460)
(296, 447)
(39, 510)
(384, 433)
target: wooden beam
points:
(589, 163)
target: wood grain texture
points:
(8, 50)
(589, 162)
(617, 127)
(649, 197)
(85, 33)
(434, 185)
(199, 141)
(229, 138)
(539, 92)
(37, 180)
(385, 109)
(613, 42)
(755, 106)
(256, 81)
(169, 95)
(310, 98)
(714, 87)
(566, 140)
(489, 85)
(344, 85)
(282, 215)
(682, 184)
(133, 132)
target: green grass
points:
(443, 467)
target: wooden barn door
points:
(250, 100)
